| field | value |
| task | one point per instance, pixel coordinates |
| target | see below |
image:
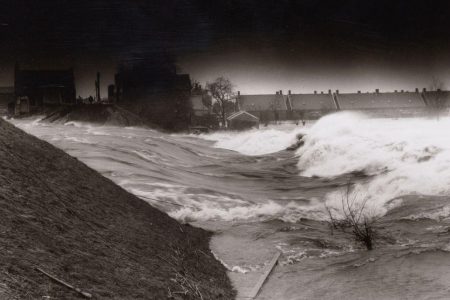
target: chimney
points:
(281, 92)
(289, 92)
(321, 92)
(424, 90)
(329, 91)
(417, 90)
(359, 92)
(239, 93)
(377, 91)
(337, 92)
(402, 91)
(395, 91)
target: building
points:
(130, 89)
(201, 113)
(311, 106)
(6, 96)
(156, 93)
(111, 93)
(36, 88)
(242, 120)
(390, 104)
(270, 107)
(198, 106)
(198, 98)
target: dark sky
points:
(261, 45)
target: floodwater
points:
(260, 198)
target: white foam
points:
(209, 210)
(407, 156)
(256, 141)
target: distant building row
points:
(35, 88)
(279, 106)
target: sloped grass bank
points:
(65, 218)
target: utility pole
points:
(97, 88)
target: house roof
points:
(312, 101)
(262, 102)
(44, 78)
(241, 114)
(380, 100)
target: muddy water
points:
(260, 199)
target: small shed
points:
(242, 120)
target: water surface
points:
(260, 198)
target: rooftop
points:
(380, 100)
(262, 102)
(312, 101)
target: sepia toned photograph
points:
(224, 149)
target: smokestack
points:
(281, 92)
(417, 90)
(377, 91)
(289, 92)
(329, 91)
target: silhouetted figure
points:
(91, 99)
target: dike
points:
(103, 114)
(68, 220)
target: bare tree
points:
(436, 100)
(222, 91)
(354, 217)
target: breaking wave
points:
(179, 174)
(401, 157)
(256, 141)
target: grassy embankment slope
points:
(61, 216)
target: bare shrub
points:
(186, 285)
(355, 218)
(436, 100)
